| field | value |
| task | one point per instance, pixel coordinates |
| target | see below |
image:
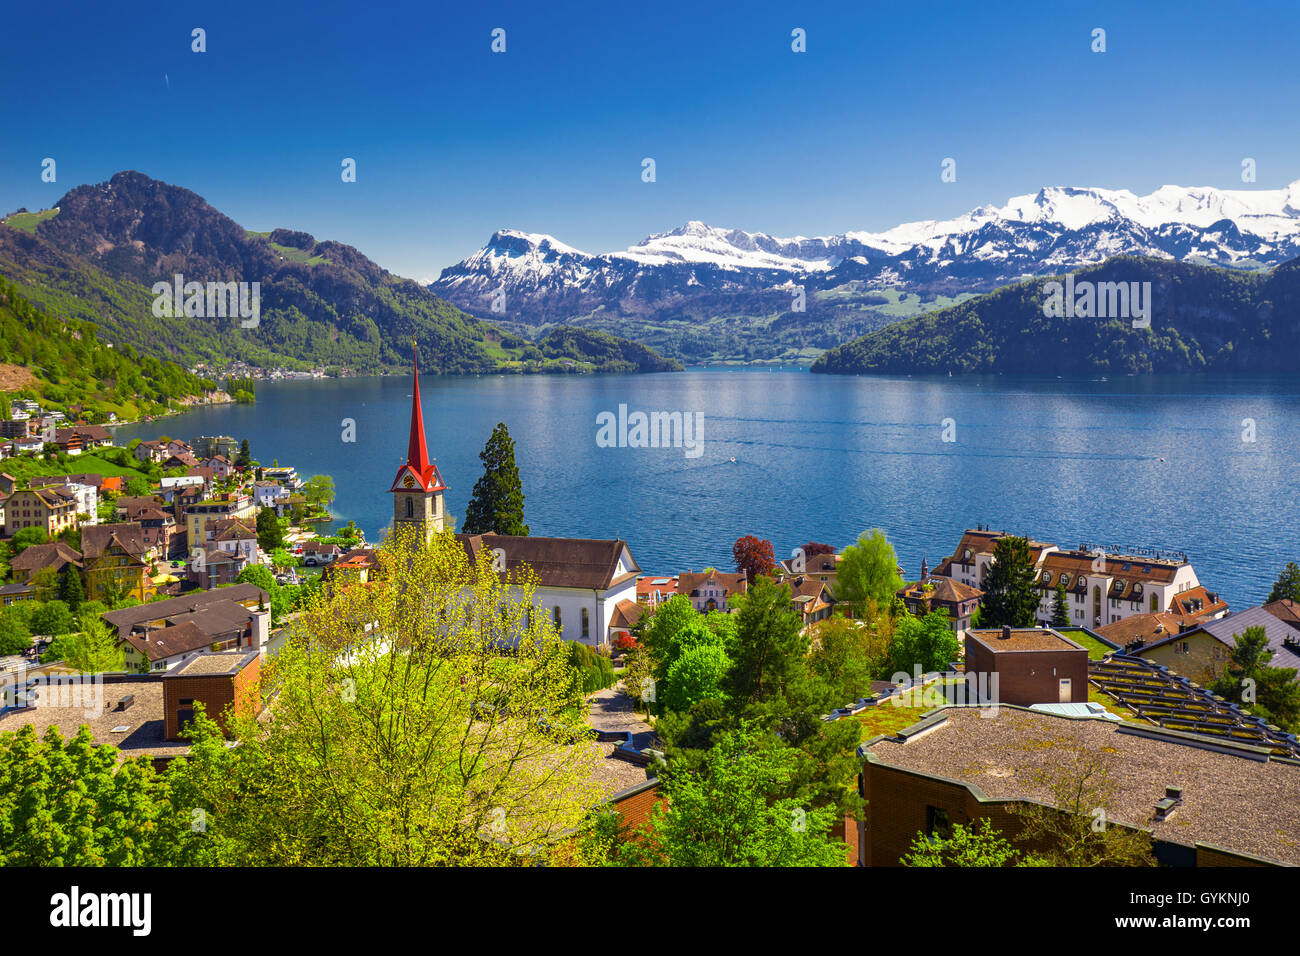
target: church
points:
(586, 586)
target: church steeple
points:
(418, 487)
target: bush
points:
(594, 669)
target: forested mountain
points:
(97, 255)
(1201, 319)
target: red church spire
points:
(417, 452)
(419, 469)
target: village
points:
(186, 566)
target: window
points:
(558, 625)
(586, 628)
(937, 824)
(410, 507)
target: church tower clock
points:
(417, 489)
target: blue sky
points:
(453, 141)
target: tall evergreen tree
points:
(245, 456)
(71, 591)
(1060, 610)
(1010, 591)
(496, 506)
(269, 533)
(1287, 584)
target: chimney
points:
(1006, 632)
(1165, 807)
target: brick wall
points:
(1031, 677)
(216, 692)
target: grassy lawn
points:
(28, 221)
(888, 719)
(25, 466)
(1096, 649)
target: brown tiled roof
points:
(53, 555)
(1127, 572)
(586, 563)
(96, 539)
(944, 591)
(1232, 797)
(690, 582)
(1186, 603)
(803, 586)
(626, 614)
(170, 641)
(231, 529)
(1285, 610)
(128, 617)
(1141, 627)
(85, 478)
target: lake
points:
(1154, 461)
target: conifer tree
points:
(496, 505)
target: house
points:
(959, 601)
(210, 567)
(821, 567)
(28, 446)
(652, 590)
(1285, 610)
(962, 765)
(220, 466)
(180, 460)
(710, 589)
(151, 450)
(1028, 665)
(237, 617)
(158, 524)
(170, 486)
(85, 486)
(625, 617)
(7, 483)
(177, 447)
(354, 567)
(116, 561)
(200, 514)
(38, 557)
(1201, 653)
(580, 581)
(235, 536)
(810, 597)
(320, 552)
(81, 438)
(270, 494)
(10, 593)
(53, 508)
(208, 475)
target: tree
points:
(25, 538)
(456, 739)
(95, 649)
(319, 490)
(1010, 587)
(926, 642)
(1248, 679)
(496, 505)
(15, 635)
(814, 548)
(732, 811)
(976, 845)
(769, 650)
(52, 618)
(754, 557)
(1060, 609)
(138, 486)
(868, 573)
(70, 803)
(71, 591)
(245, 456)
(697, 674)
(269, 533)
(1287, 585)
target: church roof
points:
(419, 470)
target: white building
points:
(583, 584)
(1103, 585)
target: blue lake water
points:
(1156, 461)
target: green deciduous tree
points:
(1010, 590)
(94, 649)
(71, 591)
(926, 642)
(496, 505)
(1268, 691)
(976, 845)
(769, 650)
(868, 573)
(732, 810)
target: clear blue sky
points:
(453, 141)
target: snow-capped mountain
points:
(700, 273)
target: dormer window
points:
(1065, 578)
